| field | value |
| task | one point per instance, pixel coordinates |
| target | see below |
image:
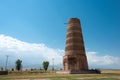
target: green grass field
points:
(105, 75)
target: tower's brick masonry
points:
(75, 59)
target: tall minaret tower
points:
(75, 59)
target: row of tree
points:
(19, 65)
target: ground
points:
(105, 75)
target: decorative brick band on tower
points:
(75, 59)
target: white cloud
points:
(105, 61)
(30, 53)
(34, 54)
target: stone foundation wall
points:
(80, 72)
(3, 72)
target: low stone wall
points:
(3, 72)
(87, 72)
(80, 72)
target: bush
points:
(12, 69)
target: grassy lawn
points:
(106, 75)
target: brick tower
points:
(75, 59)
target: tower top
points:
(73, 20)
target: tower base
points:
(80, 72)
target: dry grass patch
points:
(106, 75)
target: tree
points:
(12, 69)
(45, 65)
(18, 64)
(1, 68)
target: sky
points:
(34, 30)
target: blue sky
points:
(42, 21)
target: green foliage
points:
(60, 68)
(31, 69)
(45, 65)
(1, 68)
(12, 69)
(18, 64)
